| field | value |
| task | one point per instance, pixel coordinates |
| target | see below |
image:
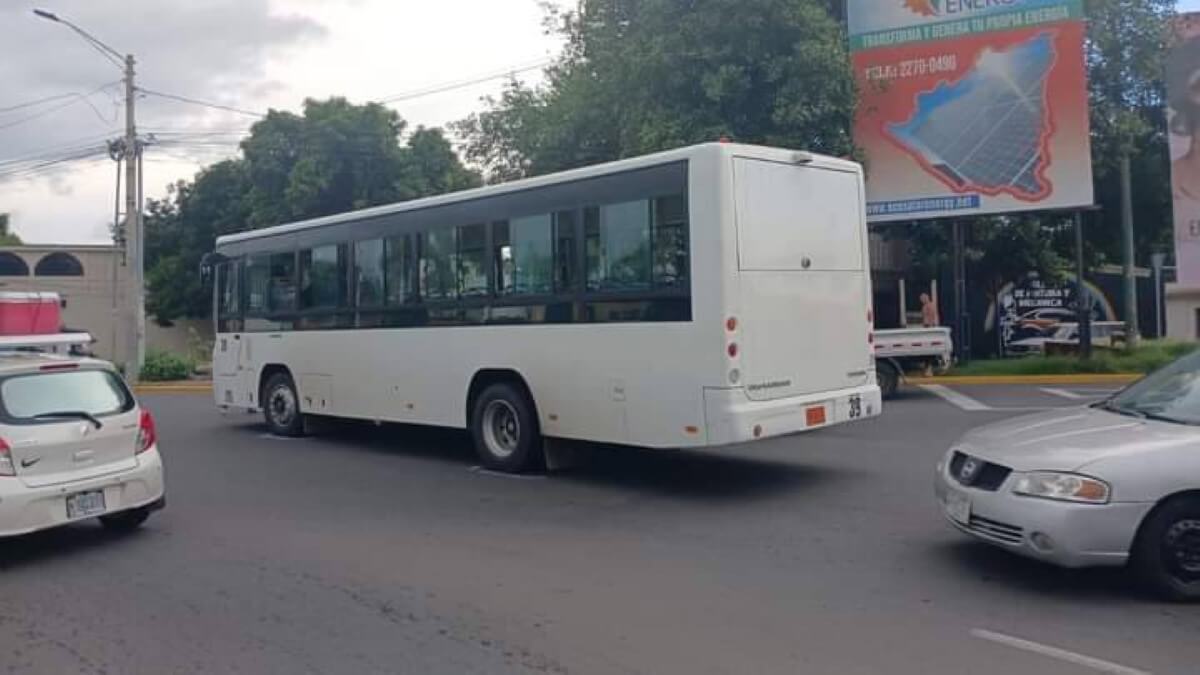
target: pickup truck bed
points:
(901, 350)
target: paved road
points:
(381, 551)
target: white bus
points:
(711, 295)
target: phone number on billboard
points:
(933, 65)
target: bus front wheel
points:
(504, 427)
(281, 406)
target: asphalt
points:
(386, 550)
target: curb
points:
(1083, 378)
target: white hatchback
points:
(74, 444)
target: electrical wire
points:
(460, 84)
(194, 101)
(75, 98)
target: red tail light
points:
(6, 464)
(147, 435)
(732, 350)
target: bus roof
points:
(756, 151)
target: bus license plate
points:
(85, 504)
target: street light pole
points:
(135, 302)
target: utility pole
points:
(1132, 332)
(136, 326)
(135, 315)
(1083, 299)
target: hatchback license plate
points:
(958, 507)
(85, 504)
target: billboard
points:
(1183, 100)
(971, 107)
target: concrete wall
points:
(1183, 305)
(90, 302)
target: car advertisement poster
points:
(1034, 311)
(971, 107)
(1183, 100)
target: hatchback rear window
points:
(95, 392)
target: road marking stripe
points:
(1063, 393)
(955, 398)
(1055, 653)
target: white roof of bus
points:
(778, 154)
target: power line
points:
(75, 98)
(30, 104)
(193, 101)
(451, 86)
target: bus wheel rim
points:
(501, 428)
(282, 406)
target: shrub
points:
(1151, 355)
(164, 367)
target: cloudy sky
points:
(247, 54)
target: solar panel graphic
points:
(987, 132)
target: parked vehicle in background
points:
(74, 443)
(905, 350)
(710, 295)
(1114, 483)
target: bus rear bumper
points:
(731, 417)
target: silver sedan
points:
(1115, 483)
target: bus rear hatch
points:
(803, 276)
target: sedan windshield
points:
(1171, 394)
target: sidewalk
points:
(180, 387)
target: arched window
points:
(12, 265)
(59, 265)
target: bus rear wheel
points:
(504, 427)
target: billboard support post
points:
(960, 293)
(1083, 299)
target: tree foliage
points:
(7, 237)
(335, 157)
(638, 76)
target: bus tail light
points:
(732, 350)
(147, 434)
(731, 324)
(7, 468)
(735, 376)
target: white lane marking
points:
(281, 439)
(1063, 393)
(956, 398)
(501, 474)
(1096, 664)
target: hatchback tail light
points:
(6, 463)
(147, 435)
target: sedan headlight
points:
(1066, 487)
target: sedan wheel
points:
(1167, 553)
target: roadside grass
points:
(1149, 356)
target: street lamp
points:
(135, 340)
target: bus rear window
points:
(95, 392)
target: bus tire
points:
(1165, 555)
(281, 406)
(505, 429)
(889, 378)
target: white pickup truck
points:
(901, 350)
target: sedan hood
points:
(1069, 439)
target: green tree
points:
(637, 77)
(335, 157)
(1126, 46)
(7, 238)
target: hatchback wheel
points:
(281, 406)
(1167, 555)
(125, 521)
(504, 426)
